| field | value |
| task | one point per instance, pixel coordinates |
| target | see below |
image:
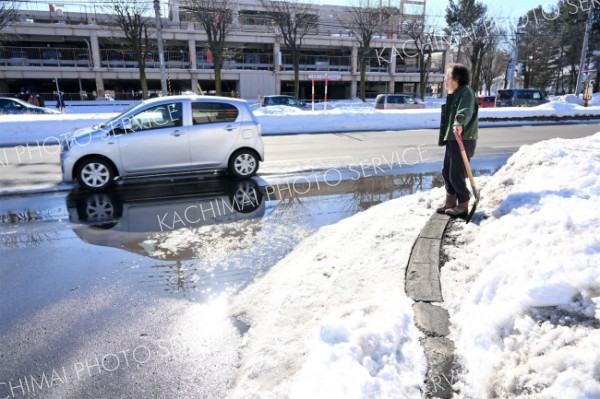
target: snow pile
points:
(523, 287)
(331, 320)
(569, 98)
(340, 116)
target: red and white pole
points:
(313, 94)
(326, 81)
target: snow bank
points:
(523, 287)
(342, 116)
(331, 320)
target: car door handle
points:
(175, 133)
(229, 128)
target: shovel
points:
(469, 173)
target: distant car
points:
(486, 101)
(16, 106)
(163, 136)
(520, 98)
(289, 101)
(397, 101)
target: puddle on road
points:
(199, 240)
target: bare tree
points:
(216, 17)
(134, 18)
(364, 20)
(8, 12)
(294, 20)
(422, 37)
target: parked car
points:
(520, 98)
(396, 101)
(16, 106)
(290, 101)
(166, 135)
(486, 101)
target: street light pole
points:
(586, 38)
(161, 53)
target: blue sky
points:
(497, 7)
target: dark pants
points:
(454, 171)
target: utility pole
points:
(512, 66)
(586, 38)
(161, 52)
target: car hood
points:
(89, 133)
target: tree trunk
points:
(218, 65)
(296, 65)
(143, 82)
(362, 93)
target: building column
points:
(353, 68)
(96, 59)
(99, 87)
(192, 52)
(174, 10)
(392, 66)
(194, 80)
(276, 55)
(447, 55)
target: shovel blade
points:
(474, 208)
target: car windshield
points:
(23, 103)
(505, 94)
(130, 109)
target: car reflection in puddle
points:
(139, 219)
(202, 238)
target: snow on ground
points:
(523, 286)
(341, 116)
(331, 320)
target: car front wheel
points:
(95, 174)
(243, 164)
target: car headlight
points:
(66, 144)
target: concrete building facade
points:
(84, 51)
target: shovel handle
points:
(461, 145)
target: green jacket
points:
(461, 108)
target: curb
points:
(422, 285)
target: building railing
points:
(45, 56)
(115, 58)
(318, 63)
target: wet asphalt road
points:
(124, 294)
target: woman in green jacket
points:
(459, 115)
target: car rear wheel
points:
(243, 164)
(95, 174)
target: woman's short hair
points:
(460, 73)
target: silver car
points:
(397, 101)
(166, 135)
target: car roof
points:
(279, 95)
(17, 100)
(193, 97)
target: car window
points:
(293, 101)
(6, 104)
(537, 95)
(505, 94)
(203, 112)
(525, 95)
(158, 117)
(409, 100)
(380, 100)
